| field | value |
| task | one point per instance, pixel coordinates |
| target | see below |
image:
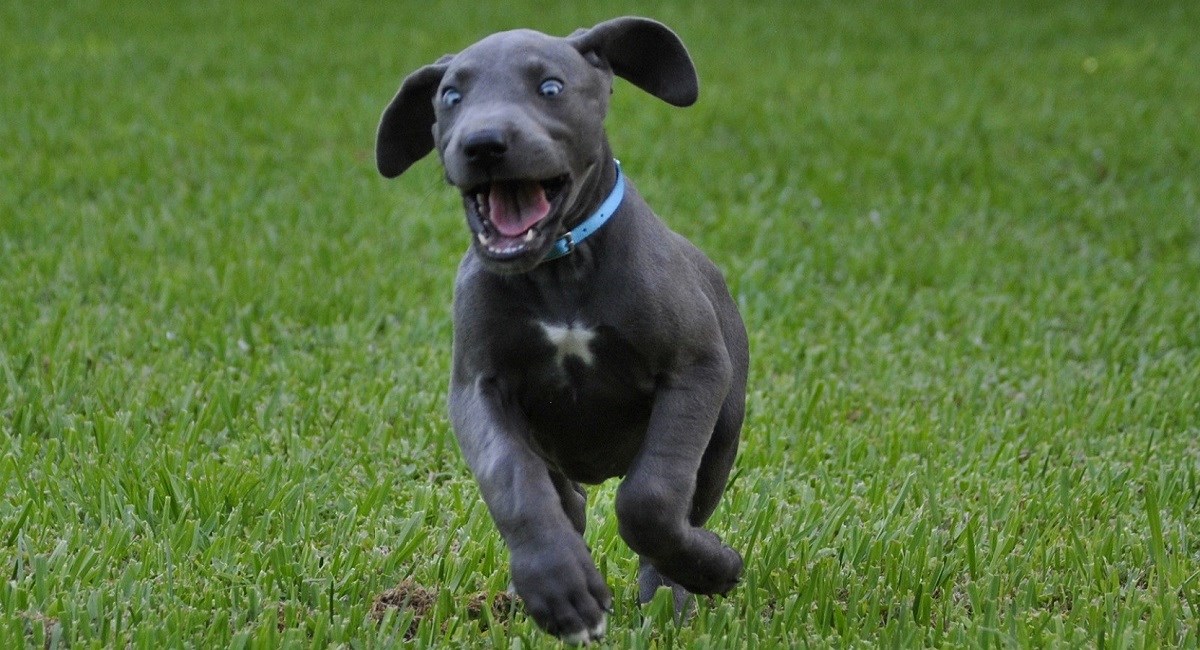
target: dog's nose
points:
(485, 146)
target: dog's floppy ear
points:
(406, 128)
(646, 53)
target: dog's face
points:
(518, 121)
(520, 130)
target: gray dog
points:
(590, 340)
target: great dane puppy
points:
(590, 341)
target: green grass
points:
(965, 238)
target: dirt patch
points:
(406, 595)
(500, 605)
(50, 626)
(421, 600)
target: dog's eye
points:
(451, 96)
(550, 88)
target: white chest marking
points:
(570, 341)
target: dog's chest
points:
(583, 359)
(586, 392)
(569, 341)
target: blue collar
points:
(566, 244)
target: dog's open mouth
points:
(513, 217)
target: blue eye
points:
(550, 88)
(451, 96)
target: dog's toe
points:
(584, 637)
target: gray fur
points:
(625, 358)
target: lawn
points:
(965, 238)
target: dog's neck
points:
(565, 244)
(594, 186)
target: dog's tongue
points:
(516, 206)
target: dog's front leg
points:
(552, 569)
(655, 499)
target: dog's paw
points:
(584, 637)
(563, 591)
(650, 580)
(706, 566)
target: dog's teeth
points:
(484, 239)
(529, 235)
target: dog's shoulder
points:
(670, 293)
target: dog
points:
(590, 341)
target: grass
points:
(965, 238)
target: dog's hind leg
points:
(573, 498)
(649, 581)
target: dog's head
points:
(518, 121)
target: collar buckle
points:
(566, 244)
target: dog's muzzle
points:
(512, 218)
